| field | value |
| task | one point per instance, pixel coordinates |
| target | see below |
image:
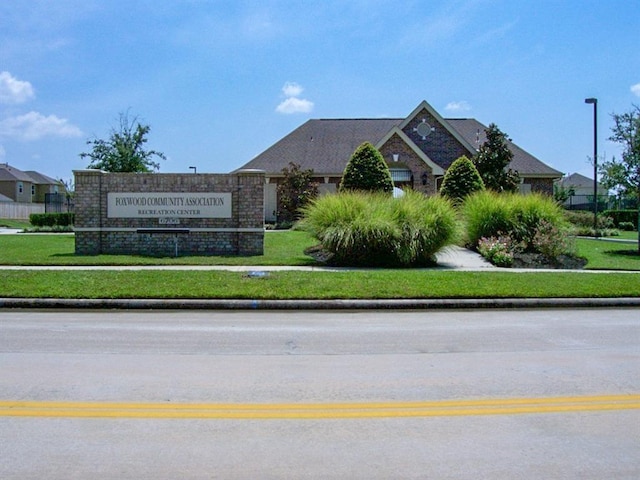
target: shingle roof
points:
(474, 132)
(41, 178)
(325, 145)
(12, 174)
(577, 180)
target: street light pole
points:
(594, 101)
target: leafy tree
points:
(493, 159)
(561, 193)
(461, 180)
(124, 150)
(296, 190)
(367, 171)
(624, 175)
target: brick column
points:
(251, 211)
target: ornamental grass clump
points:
(527, 224)
(374, 229)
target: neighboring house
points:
(581, 185)
(26, 187)
(582, 192)
(418, 150)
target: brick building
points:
(418, 150)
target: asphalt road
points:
(369, 394)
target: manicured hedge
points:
(620, 216)
(51, 219)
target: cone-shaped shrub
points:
(366, 171)
(374, 229)
(461, 180)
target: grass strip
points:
(281, 248)
(375, 284)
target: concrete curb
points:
(348, 304)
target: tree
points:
(295, 191)
(124, 151)
(624, 174)
(493, 159)
(561, 193)
(461, 180)
(367, 171)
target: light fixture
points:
(594, 102)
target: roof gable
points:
(435, 168)
(425, 107)
(325, 145)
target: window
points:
(400, 174)
(33, 190)
(20, 187)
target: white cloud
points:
(292, 89)
(34, 125)
(13, 90)
(461, 106)
(295, 105)
(635, 89)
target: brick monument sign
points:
(169, 214)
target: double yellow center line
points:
(232, 411)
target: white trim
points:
(425, 106)
(435, 168)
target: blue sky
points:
(221, 81)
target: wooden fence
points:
(19, 211)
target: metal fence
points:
(605, 202)
(57, 203)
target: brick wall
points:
(440, 145)
(407, 158)
(241, 234)
(540, 185)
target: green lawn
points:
(375, 284)
(609, 255)
(286, 248)
(10, 223)
(627, 236)
(281, 248)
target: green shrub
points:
(366, 171)
(552, 241)
(519, 217)
(51, 219)
(497, 250)
(584, 219)
(374, 229)
(626, 226)
(461, 180)
(619, 216)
